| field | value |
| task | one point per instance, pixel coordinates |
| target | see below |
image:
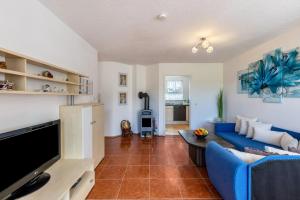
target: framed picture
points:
(122, 79)
(122, 98)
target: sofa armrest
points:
(227, 172)
(274, 177)
(224, 127)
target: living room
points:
(85, 82)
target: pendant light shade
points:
(195, 50)
(210, 49)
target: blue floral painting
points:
(275, 76)
(243, 83)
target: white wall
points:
(139, 85)
(206, 79)
(286, 114)
(31, 29)
(109, 91)
(152, 88)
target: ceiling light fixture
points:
(195, 50)
(204, 43)
(209, 49)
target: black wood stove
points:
(146, 120)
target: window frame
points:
(177, 93)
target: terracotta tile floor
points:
(172, 129)
(157, 168)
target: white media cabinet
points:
(82, 149)
(64, 174)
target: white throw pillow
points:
(288, 141)
(237, 123)
(261, 125)
(267, 136)
(250, 130)
(279, 151)
(244, 124)
(246, 157)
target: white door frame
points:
(163, 114)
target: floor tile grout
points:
(118, 193)
(133, 156)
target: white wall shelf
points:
(23, 72)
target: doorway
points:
(177, 104)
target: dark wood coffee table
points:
(197, 146)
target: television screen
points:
(25, 153)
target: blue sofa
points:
(234, 179)
(227, 132)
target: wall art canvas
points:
(275, 76)
(251, 77)
(243, 82)
(292, 91)
(122, 79)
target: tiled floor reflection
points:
(157, 168)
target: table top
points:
(191, 139)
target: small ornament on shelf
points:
(47, 74)
(6, 85)
(2, 65)
(46, 88)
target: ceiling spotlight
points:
(210, 49)
(195, 50)
(161, 16)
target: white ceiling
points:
(128, 31)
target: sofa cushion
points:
(237, 123)
(281, 152)
(259, 152)
(292, 133)
(240, 141)
(244, 124)
(269, 137)
(252, 125)
(246, 157)
(287, 141)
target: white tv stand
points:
(64, 174)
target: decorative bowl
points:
(201, 133)
(201, 137)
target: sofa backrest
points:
(292, 133)
(280, 175)
(229, 127)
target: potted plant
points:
(220, 105)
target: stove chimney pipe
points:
(146, 99)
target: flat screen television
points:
(25, 155)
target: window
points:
(174, 90)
